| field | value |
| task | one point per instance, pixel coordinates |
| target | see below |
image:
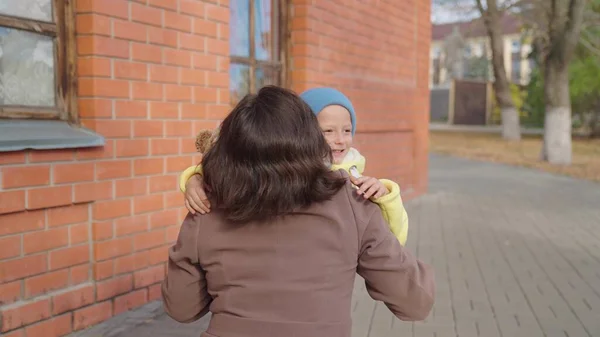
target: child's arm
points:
(393, 210)
(195, 196)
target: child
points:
(337, 120)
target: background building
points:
(87, 214)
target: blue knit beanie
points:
(320, 98)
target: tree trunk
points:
(557, 121)
(511, 129)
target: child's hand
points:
(369, 187)
(195, 197)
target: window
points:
(515, 46)
(256, 46)
(516, 68)
(37, 59)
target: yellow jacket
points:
(390, 204)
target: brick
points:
(113, 169)
(145, 14)
(110, 128)
(218, 79)
(148, 128)
(147, 91)
(163, 37)
(25, 314)
(204, 61)
(178, 93)
(68, 257)
(176, 57)
(125, 264)
(217, 13)
(111, 288)
(130, 225)
(10, 292)
(67, 215)
(167, 4)
(147, 203)
(163, 183)
(206, 28)
(149, 239)
(132, 148)
(130, 30)
(72, 299)
(192, 7)
(164, 74)
(178, 164)
(49, 197)
(102, 46)
(94, 67)
(100, 87)
(209, 95)
(191, 42)
(13, 177)
(73, 172)
(132, 109)
(131, 300)
(103, 270)
(164, 146)
(42, 284)
(10, 246)
(79, 274)
(130, 70)
(104, 210)
(113, 248)
(148, 166)
(131, 187)
(173, 199)
(193, 77)
(54, 327)
(12, 158)
(164, 218)
(22, 222)
(93, 24)
(45, 240)
(149, 276)
(154, 292)
(92, 108)
(164, 110)
(91, 315)
(102, 230)
(146, 53)
(218, 47)
(193, 111)
(97, 152)
(78, 234)
(87, 192)
(114, 8)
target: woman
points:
(278, 254)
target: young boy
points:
(337, 119)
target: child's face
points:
(337, 128)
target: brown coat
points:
(295, 276)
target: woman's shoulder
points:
(362, 208)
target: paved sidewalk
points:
(516, 253)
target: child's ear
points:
(204, 140)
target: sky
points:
(450, 13)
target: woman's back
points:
(293, 276)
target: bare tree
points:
(491, 12)
(557, 28)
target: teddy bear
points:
(205, 139)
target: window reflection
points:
(263, 39)
(239, 37)
(239, 82)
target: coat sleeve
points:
(184, 291)
(393, 211)
(392, 274)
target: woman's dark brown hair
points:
(269, 159)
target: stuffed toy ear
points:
(204, 140)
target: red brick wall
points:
(84, 233)
(377, 53)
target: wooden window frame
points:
(279, 21)
(62, 30)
